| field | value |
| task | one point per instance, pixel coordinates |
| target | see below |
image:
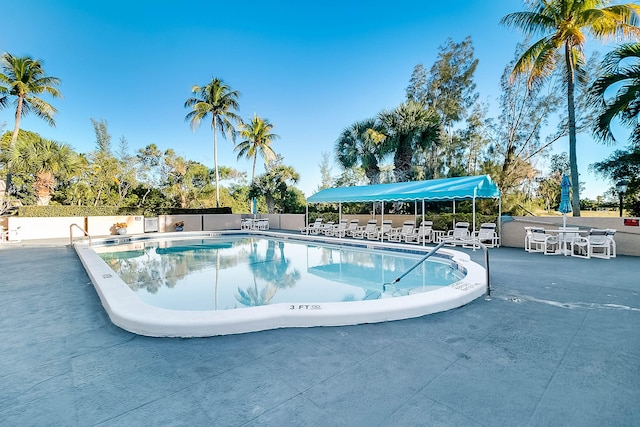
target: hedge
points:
(61, 211)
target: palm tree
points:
(47, 161)
(362, 143)
(409, 128)
(274, 183)
(625, 79)
(257, 140)
(219, 100)
(23, 77)
(564, 25)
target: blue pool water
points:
(235, 272)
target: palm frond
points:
(625, 79)
(530, 22)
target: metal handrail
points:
(79, 228)
(487, 296)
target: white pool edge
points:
(129, 312)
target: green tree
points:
(294, 201)
(217, 99)
(410, 128)
(273, 185)
(351, 176)
(325, 171)
(24, 78)
(149, 171)
(362, 144)
(549, 188)
(449, 90)
(257, 140)
(417, 89)
(104, 167)
(450, 87)
(186, 181)
(476, 139)
(516, 133)
(564, 25)
(126, 176)
(622, 75)
(46, 161)
(624, 164)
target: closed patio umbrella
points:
(565, 203)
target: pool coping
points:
(129, 312)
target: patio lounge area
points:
(557, 345)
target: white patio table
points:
(565, 235)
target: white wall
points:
(512, 233)
(58, 227)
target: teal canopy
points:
(460, 188)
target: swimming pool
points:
(217, 283)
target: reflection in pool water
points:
(236, 272)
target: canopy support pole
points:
(424, 241)
(499, 219)
(381, 222)
(473, 217)
(307, 218)
(453, 226)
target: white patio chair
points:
(487, 235)
(595, 245)
(354, 224)
(381, 232)
(371, 227)
(538, 240)
(398, 234)
(327, 227)
(313, 226)
(422, 234)
(611, 232)
(459, 234)
(338, 230)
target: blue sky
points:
(311, 68)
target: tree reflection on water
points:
(143, 269)
(269, 270)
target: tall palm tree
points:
(622, 73)
(564, 26)
(24, 78)
(217, 99)
(362, 143)
(410, 128)
(257, 140)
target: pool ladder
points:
(473, 243)
(79, 228)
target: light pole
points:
(621, 186)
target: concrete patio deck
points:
(558, 344)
